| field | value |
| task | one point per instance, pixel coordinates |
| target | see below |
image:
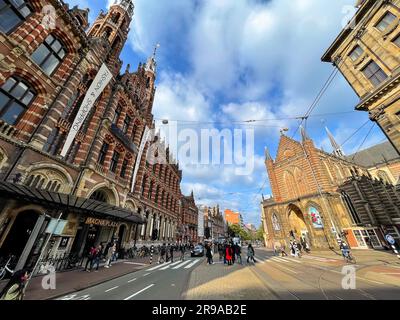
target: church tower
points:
(337, 149)
(114, 25)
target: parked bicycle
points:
(7, 268)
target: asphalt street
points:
(156, 282)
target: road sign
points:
(390, 239)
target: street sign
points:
(390, 239)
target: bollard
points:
(151, 254)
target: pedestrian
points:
(97, 258)
(90, 257)
(109, 256)
(171, 251)
(161, 258)
(233, 255)
(283, 251)
(182, 250)
(238, 253)
(228, 255)
(250, 254)
(167, 251)
(209, 254)
(15, 288)
(220, 251)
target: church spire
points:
(151, 64)
(337, 149)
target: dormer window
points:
(356, 53)
(386, 21)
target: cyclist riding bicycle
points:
(345, 250)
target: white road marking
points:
(132, 280)
(157, 267)
(136, 263)
(287, 269)
(258, 259)
(145, 275)
(170, 265)
(111, 289)
(280, 260)
(193, 263)
(139, 292)
(291, 260)
(181, 265)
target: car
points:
(198, 251)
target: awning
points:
(60, 201)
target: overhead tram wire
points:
(363, 142)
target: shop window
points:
(15, 98)
(12, 14)
(49, 55)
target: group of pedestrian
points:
(96, 254)
(167, 252)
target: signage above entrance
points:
(102, 223)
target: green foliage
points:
(236, 231)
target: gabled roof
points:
(285, 144)
(375, 155)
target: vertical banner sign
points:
(146, 137)
(101, 80)
(200, 227)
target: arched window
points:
(144, 185)
(12, 14)
(351, 208)
(275, 222)
(162, 198)
(117, 114)
(291, 186)
(328, 171)
(99, 196)
(15, 98)
(150, 190)
(315, 218)
(157, 194)
(49, 55)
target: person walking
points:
(283, 251)
(182, 250)
(109, 256)
(209, 254)
(90, 257)
(167, 251)
(15, 288)
(238, 252)
(161, 258)
(96, 258)
(250, 254)
(220, 251)
(171, 252)
(228, 254)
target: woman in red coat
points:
(228, 254)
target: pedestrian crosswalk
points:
(187, 264)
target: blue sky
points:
(238, 60)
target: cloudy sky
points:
(223, 62)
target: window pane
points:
(17, 3)
(9, 84)
(50, 64)
(49, 39)
(397, 41)
(3, 101)
(61, 54)
(19, 90)
(2, 4)
(56, 46)
(25, 11)
(40, 54)
(386, 21)
(356, 53)
(8, 20)
(13, 113)
(28, 98)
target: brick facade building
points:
(318, 196)
(190, 218)
(214, 223)
(367, 54)
(46, 70)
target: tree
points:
(260, 233)
(235, 230)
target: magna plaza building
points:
(321, 197)
(52, 83)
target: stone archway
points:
(296, 221)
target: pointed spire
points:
(337, 149)
(304, 135)
(267, 154)
(151, 64)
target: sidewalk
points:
(219, 281)
(72, 281)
